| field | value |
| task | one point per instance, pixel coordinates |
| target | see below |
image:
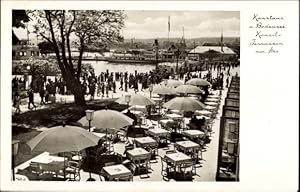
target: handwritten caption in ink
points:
(267, 33)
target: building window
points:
(32, 53)
(20, 53)
(24, 53)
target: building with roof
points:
(23, 47)
(212, 52)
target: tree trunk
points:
(75, 87)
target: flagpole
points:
(168, 29)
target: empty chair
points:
(35, 168)
(124, 178)
(73, 170)
(188, 169)
(166, 168)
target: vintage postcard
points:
(107, 96)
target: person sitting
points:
(201, 123)
(194, 122)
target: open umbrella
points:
(163, 90)
(63, 139)
(184, 104)
(188, 89)
(135, 99)
(198, 82)
(107, 118)
(172, 83)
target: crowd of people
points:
(105, 82)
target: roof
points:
(217, 49)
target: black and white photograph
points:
(149, 96)
(113, 95)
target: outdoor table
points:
(54, 166)
(49, 159)
(158, 132)
(145, 142)
(210, 103)
(177, 159)
(115, 172)
(138, 156)
(141, 127)
(192, 133)
(201, 116)
(164, 122)
(209, 107)
(213, 96)
(174, 116)
(203, 112)
(135, 112)
(175, 111)
(212, 99)
(51, 163)
(138, 108)
(186, 146)
(139, 113)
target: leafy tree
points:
(19, 18)
(77, 29)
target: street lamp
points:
(127, 100)
(14, 147)
(150, 89)
(177, 53)
(89, 116)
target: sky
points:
(154, 24)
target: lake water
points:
(102, 66)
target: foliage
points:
(66, 29)
(19, 17)
(45, 47)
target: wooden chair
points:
(124, 178)
(165, 168)
(188, 169)
(35, 168)
(73, 169)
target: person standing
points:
(227, 81)
(102, 89)
(92, 90)
(121, 84)
(42, 94)
(114, 86)
(31, 98)
(107, 89)
(18, 102)
(126, 85)
(98, 88)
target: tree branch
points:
(55, 46)
(68, 41)
(80, 58)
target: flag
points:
(169, 24)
